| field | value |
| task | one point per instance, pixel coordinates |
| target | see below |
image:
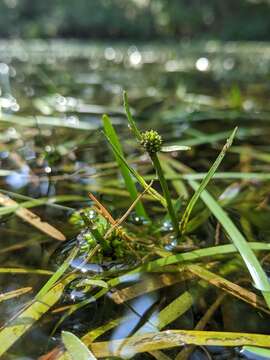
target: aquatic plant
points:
(136, 256)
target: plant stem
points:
(166, 193)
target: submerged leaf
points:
(92, 282)
(16, 327)
(175, 338)
(14, 293)
(258, 353)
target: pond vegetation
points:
(136, 226)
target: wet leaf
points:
(59, 272)
(75, 347)
(174, 310)
(92, 282)
(175, 338)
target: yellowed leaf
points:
(32, 218)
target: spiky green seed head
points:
(151, 141)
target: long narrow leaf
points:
(32, 218)
(111, 134)
(205, 181)
(131, 122)
(56, 276)
(229, 287)
(173, 338)
(197, 255)
(14, 293)
(257, 273)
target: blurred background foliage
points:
(145, 19)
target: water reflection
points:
(19, 178)
(136, 313)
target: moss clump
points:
(112, 246)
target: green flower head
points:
(151, 141)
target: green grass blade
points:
(56, 276)
(198, 255)
(111, 134)
(39, 202)
(257, 273)
(8, 270)
(204, 183)
(174, 310)
(131, 121)
(173, 176)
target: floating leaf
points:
(185, 353)
(25, 271)
(197, 255)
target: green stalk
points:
(166, 192)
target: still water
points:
(51, 145)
